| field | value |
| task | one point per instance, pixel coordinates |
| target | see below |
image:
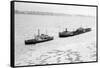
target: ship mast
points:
(46, 32)
(39, 32)
(34, 35)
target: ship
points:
(74, 33)
(39, 39)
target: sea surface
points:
(80, 48)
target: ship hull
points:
(34, 41)
(74, 33)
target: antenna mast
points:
(39, 32)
